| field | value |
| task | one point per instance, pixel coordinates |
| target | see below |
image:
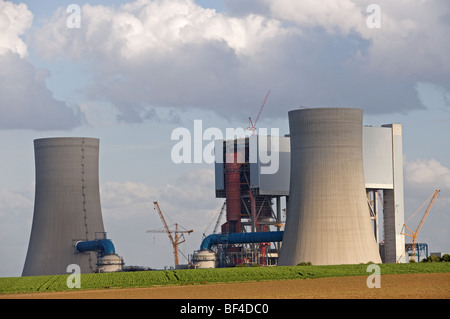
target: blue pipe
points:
(241, 238)
(105, 246)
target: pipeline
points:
(241, 238)
(105, 246)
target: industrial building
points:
(253, 200)
(67, 223)
(336, 178)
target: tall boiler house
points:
(253, 198)
(67, 225)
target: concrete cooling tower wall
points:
(67, 206)
(328, 219)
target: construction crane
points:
(414, 234)
(179, 234)
(224, 207)
(251, 125)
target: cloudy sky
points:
(130, 72)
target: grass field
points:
(204, 276)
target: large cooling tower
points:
(328, 221)
(67, 205)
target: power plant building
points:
(339, 176)
(334, 177)
(383, 174)
(250, 176)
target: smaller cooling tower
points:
(67, 206)
(328, 220)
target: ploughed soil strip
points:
(401, 286)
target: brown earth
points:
(405, 286)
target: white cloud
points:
(334, 16)
(422, 177)
(98, 114)
(151, 27)
(427, 173)
(174, 53)
(14, 21)
(409, 42)
(13, 203)
(120, 195)
(164, 53)
(192, 194)
(194, 189)
(25, 101)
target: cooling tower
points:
(67, 206)
(328, 221)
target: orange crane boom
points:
(414, 234)
(174, 241)
(251, 125)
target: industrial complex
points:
(335, 177)
(332, 173)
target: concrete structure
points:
(383, 174)
(67, 206)
(203, 259)
(328, 220)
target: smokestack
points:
(233, 191)
(67, 206)
(328, 219)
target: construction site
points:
(336, 179)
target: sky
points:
(131, 72)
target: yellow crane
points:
(413, 234)
(179, 234)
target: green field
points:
(205, 276)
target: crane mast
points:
(414, 234)
(224, 207)
(179, 234)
